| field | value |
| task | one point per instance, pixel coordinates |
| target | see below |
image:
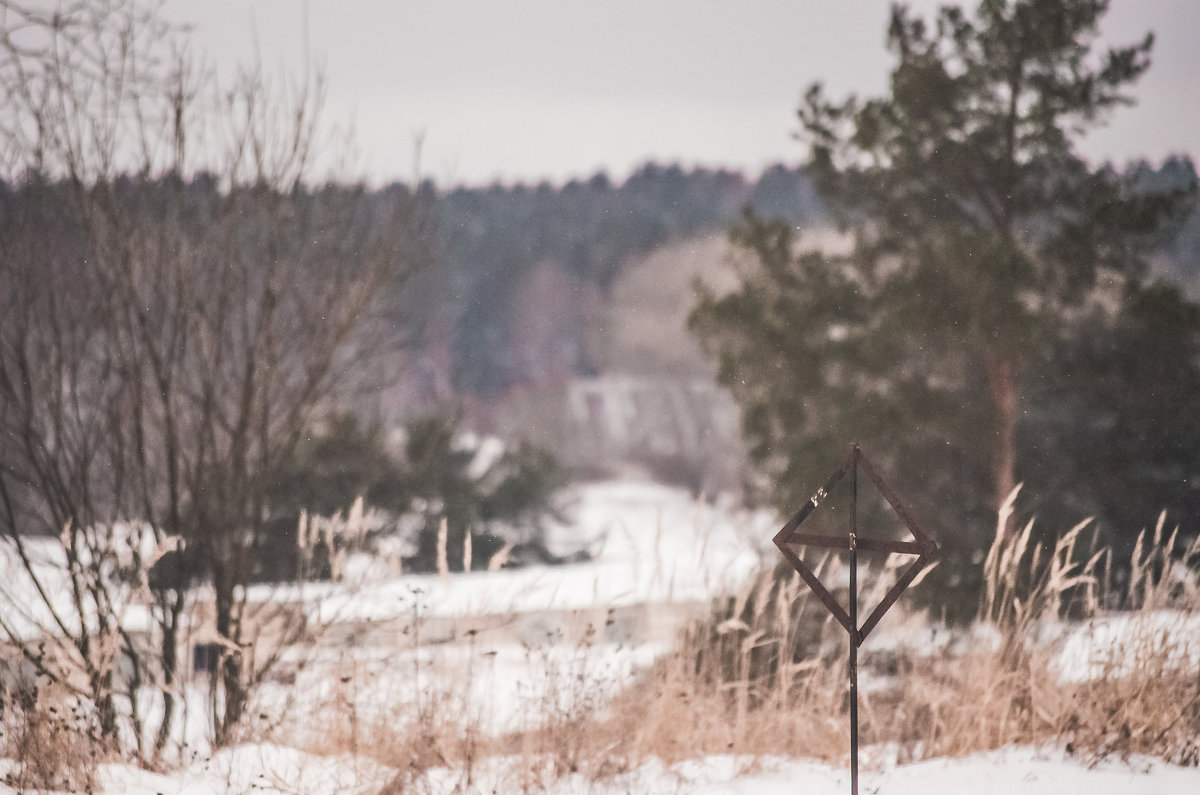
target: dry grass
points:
(1071, 647)
(765, 673)
(761, 679)
(52, 740)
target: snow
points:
(26, 613)
(651, 546)
(1119, 644)
(271, 769)
(256, 767)
(501, 686)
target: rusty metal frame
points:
(790, 541)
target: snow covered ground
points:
(1117, 644)
(272, 769)
(651, 545)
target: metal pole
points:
(854, 624)
(790, 540)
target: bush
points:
(476, 487)
(501, 497)
(53, 739)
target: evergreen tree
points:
(996, 289)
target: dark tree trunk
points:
(230, 671)
(1005, 394)
(170, 662)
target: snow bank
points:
(272, 769)
(1124, 643)
(649, 544)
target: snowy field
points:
(649, 544)
(273, 769)
(654, 549)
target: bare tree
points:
(180, 307)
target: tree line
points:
(489, 239)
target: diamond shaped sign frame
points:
(790, 541)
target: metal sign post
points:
(790, 542)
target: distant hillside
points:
(644, 326)
(527, 271)
(559, 313)
(535, 284)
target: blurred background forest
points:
(555, 316)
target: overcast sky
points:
(554, 89)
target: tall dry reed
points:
(1072, 645)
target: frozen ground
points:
(271, 769)
(652, 546)
(649, 544)
(1116, 644)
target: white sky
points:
(533, 89)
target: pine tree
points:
(984, 246)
